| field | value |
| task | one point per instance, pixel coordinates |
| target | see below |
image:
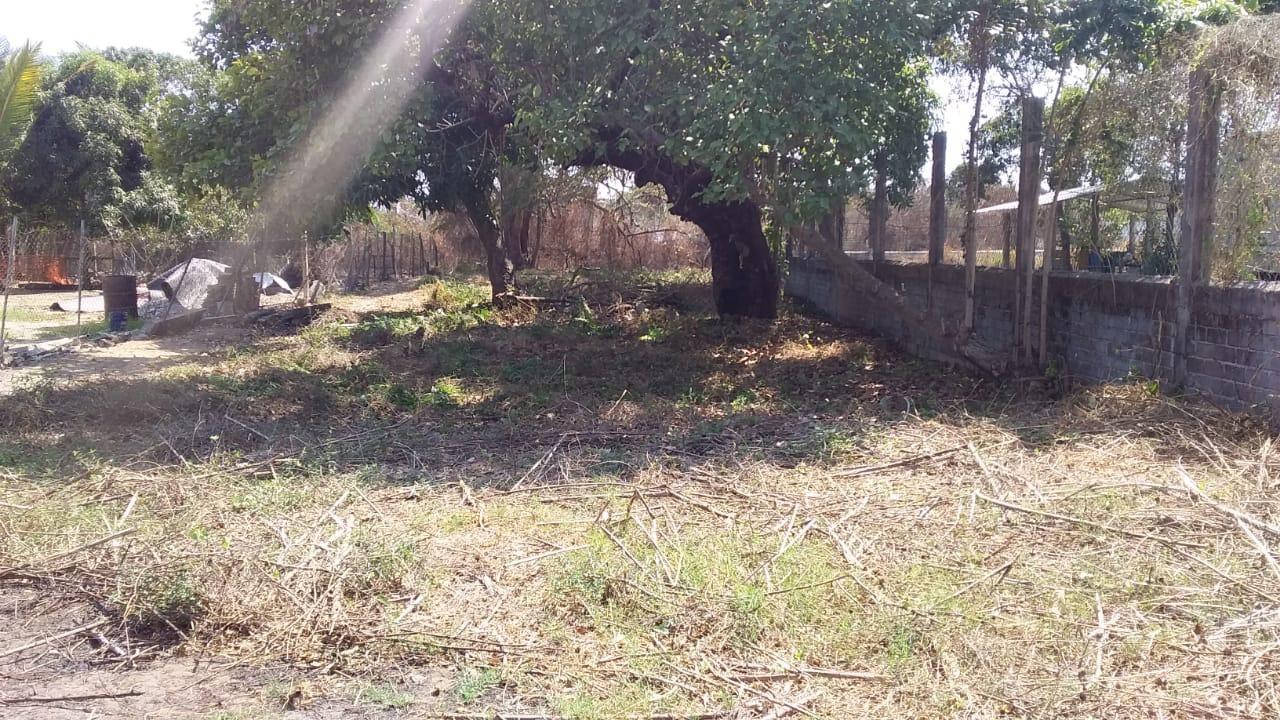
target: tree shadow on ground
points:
(618, 377)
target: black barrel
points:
(120, 293)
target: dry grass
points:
(620, 508)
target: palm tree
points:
(19, 85)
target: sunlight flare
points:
(373, 99)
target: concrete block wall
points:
(1101, 327)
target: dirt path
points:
(138, 357)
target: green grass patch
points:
(698, 583)
(384, 697)
(474, 682)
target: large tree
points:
(746, 113)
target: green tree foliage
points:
(743, 112)
(277, 66)
(85, 156)
(19, 89)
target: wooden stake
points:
(302, 295)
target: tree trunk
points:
(502, 273)
(515, 234)
(971, 193)
(744, 276)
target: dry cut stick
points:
(546, 555)
(7, 572)
(788, 705)
(927, 457)
(70, 698)
(53, 638)
(780, 712)
(1002, 570)
(1086, 523)
(1275, 599)
(541, 462)
(1261, 547)
(510, 716)
(800, 673)
(1231, 512)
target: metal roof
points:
(1047, 199)
(1123, 198)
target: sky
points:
(168, 25)
(59, 25)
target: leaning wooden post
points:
(80, 279)
(937, 208)
(1197, 208)
(1028, 207)
(8, 282)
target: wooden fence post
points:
(831, 226)
(1028, 208)
(368, 261)
(970, 274)
(10, 262)
(383, 275)
(1197, 208)
(937, 208)
(1050, 229)
(1006, 231)
(396, 240)
(80, 279)
(879, 217)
